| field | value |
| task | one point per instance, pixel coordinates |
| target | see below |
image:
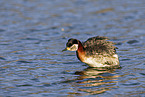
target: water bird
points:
(95, 52)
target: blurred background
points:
(34, 32)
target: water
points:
(33, 33)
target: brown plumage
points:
(99, 45)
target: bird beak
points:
(67, 48)
(64, 49)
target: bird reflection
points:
(94, 81)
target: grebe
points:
(95, 52)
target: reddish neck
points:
(80, 47)
(80, 52)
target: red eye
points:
(69, 45)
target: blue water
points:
(34, 32)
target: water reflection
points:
(95, 81)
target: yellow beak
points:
(67, 48)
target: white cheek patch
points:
(74, 47)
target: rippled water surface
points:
(33, 33)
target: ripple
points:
(2, 30)
(24, 85)
(2, 58)
(22, 61)
(131, 84)
(35, 79)
(30, 39)
(142, 74)
(132, 41)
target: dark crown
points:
(71, 42)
